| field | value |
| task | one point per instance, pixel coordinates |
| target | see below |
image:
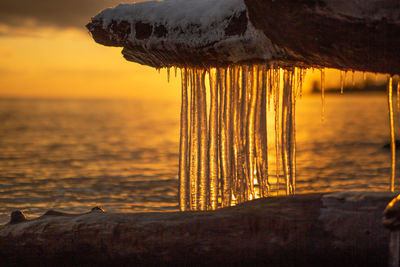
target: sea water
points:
(71, 155)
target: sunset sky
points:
(45, 51)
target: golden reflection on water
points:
(72, 155)
(123, 155)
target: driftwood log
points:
(337, 229)
(343, 34)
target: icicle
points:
(203, 185)
(224, 154)
(341, 81)
(168, 74)
(392, 133)
(288, 133)
(194, 141)
(364, 75)
(184, 198)
(292, 141)
(302, 77)
(226, 136)
(251, 131)
(213, 137)
(398, 93)
(352, 78)
(176, 70)
(277, 94)
(323, 94)
(261, 134)
(236, 167)
(243, 109)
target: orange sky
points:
(71, 64)
(45, 51)
(53, 56)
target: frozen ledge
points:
(183, 33)
(344, 34)
(301, 230)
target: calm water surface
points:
(71, 155)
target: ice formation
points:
(238, 136)
(161, 33)
(225, 154)
(392, 133)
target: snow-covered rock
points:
(351, 34)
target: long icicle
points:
(194, 155)
(292, 136)
(277, 100)
(242, 170)
(204, 161)
(392, 134)
(261, 133)
(284, 131)
(224, 154)
(235, 128)
(226, 139)
(251, 132)
(184, 201)
(223, 135)
(398, 93)
(229, 108)
(213, 137)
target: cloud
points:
(52, 13)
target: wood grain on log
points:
(342, 229)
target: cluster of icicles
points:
(227, 153)
(226, 156)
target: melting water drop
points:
(342, 79)
(183, 147)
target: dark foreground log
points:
(346, 34)
(342, 229)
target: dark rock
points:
(17, 217)
(97, 209)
